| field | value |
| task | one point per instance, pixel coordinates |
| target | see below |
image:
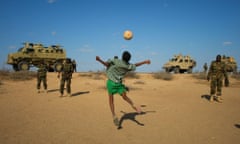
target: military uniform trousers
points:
(68, 83)
(216, 84)
(42, 79)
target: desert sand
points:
(175, 112)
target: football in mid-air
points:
(128, 35)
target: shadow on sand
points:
(52, 90)
(237, 126)
(74, 94)
(132, 117)
(79, 93)
(207, 97)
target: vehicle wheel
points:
(15, 67)
(58, 67)
(166, 70)
(176, 70)
(181, 71)
(50, 70)
(189, 70)
(23, 66)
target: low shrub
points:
(162, 75)
(132, 75)
(22, 75)
(236, 76)
(201, 75)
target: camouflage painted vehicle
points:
(231, 64)
(180, 64)
(33, 54)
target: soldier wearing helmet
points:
(217, 72)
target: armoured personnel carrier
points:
(33, 54)
(180, 64)
(231, 64)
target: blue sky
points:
(86, 28)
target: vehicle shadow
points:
(132, 117)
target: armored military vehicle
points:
(180, 64)
(33, 54)
(231, 64)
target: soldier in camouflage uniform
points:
(217, 72)
(205, 68)
(74, 66)
(42, 76)
(67, 70)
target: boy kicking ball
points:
(116, 70)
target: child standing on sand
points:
(116, 70)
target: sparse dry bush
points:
(201, 75)
(19, 75)
(97, 77)
(85, 74)
(132, 75)
(93, 75)
(22, 75)
(236, 76)
(4, 73)
(162, 75)
(139, 82)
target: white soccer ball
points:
(127, 35)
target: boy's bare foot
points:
(138, 109)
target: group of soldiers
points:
(67, 69)
(216, 75)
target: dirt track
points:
(176, 111)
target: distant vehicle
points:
(33, 54)
(180, 64)
(231, 64)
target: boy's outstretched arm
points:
(101, 61)
(143, 62)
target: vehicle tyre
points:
(167, 70)
(58, 67)
(176, 70)
(15, 67)
(23, 65)
(50, 69)
(189, 70)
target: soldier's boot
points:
(38, 91)
(211, 98)
(219, 99)
(61, 95)
(69, 94)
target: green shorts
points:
(114, 88)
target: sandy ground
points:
(176, 111)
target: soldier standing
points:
(67, 70)
(205, 67)
(42, 76)
(216, 73)
(74, 66)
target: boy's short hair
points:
(126, 56)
